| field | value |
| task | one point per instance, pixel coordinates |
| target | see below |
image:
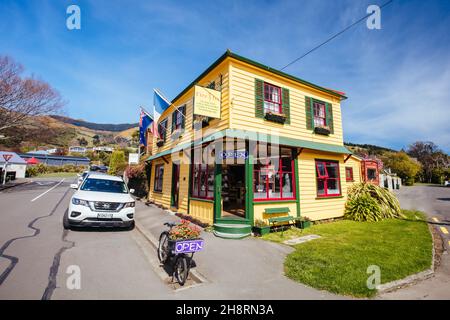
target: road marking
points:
(444, 230)
(435, 219)
(48, 190)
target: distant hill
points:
(96, 126)
(367, 148)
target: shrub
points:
(360, 198)
(137, 179)
(117, 163)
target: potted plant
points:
(160, 142)
(304, 223)
(275, 117)
(325, 130)
(261, 227)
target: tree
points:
(117, 164)
(82, 141)
(23, 97)
(405, 167)
(431, 158)
(96, 140)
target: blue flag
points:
(144, 122)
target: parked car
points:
(101, 201)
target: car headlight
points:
(129, 205)
(80, 202)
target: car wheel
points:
(66, 223)
(131, 226)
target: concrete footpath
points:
(14, 183)
(234, 269)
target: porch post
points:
(249, 185)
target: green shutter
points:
(309, 113)
(183, 117)
(174, 116)
(286, 104)
(259, 98)
(329, 110)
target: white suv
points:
(101, 201)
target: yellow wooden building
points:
(273, 148)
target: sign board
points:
(133, 158)
(207, 102)
(187, 246)
(233, 155)
(7, 157)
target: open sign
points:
(187, 246)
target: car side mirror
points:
(132, 190)
(78, 175)
(73, 186)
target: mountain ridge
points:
(96, 126)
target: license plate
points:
(104, 215)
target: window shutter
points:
(309, 113)
(174, 118)
(183, 117)
(259, 98)
(329, 110)
(286, 104)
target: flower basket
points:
(325, 130)
(160, 142)
(275, 117)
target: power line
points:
(334, 36)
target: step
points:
(233, 228)
(230, 235)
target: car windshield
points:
(103, 185)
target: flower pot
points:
(322, 130)
(261, 230)
(275, 117)
(305, 224)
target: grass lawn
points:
(338, 261)
(57, 175)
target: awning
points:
(257, 136)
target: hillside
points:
(367, 148)
(96, 126)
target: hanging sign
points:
(233, 155)
(187, 246)
(207, 102)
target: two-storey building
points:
(276, 147)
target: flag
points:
(159, 105)
(144, 122)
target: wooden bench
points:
(274, 220)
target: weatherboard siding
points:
(356, 165)
(242, 95)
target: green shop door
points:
(175, 185)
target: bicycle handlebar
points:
(169, 224)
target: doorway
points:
(233, 191)
(175, 185)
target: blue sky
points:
(397, 78)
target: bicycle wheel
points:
(163, 247)
(181, 269)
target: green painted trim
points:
(238, 229)
(329, 197)
(200, 199)
(232, 221)
(249, 214)
(273, 202)
(277, 210)
(228, 53)
(297, 187)
(190, 182)
(217, 192)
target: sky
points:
(397, 78)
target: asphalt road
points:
(39, 260)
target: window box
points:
(262, 230)
(177, 134)
(325, 130)
(160, 142)
(275, 117)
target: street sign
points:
(133, 158)
(7, 157)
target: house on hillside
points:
(260, 144)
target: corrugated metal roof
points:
(15, 158)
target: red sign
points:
(7, 157)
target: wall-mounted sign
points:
(233, 155)
(207, 102)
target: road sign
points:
(133, 158)
(7, 157)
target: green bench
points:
(276, 211)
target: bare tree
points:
(23, 97)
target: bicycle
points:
(177, 250)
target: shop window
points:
(159, 173)
(371, 174)
(328, 181)
(273, 177)
(319, 114)
(162, 129)
(178, 118)
(348, 173)
(272, 98)
(203, 177)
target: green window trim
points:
(259, 98)
(309, 109)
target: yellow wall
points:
(355, 163)
(258, 210)
(310, 206)
(242, 97)
(202, 210)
